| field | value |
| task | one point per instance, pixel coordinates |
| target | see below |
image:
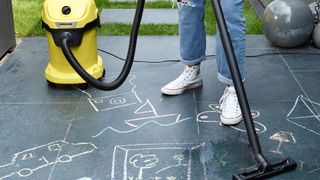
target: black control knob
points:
(66, 10)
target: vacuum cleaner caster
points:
(103, 73)
(82, 86)
(269, 170)
(51, 84)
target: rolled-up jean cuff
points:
(193, 62)
(226, 80)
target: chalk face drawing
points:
(130, 112)
(305, 114)
(213, 116)
(24, 163)
(154, 161)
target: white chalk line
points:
(130, 104)
(215, 109)
(13, 161)
(303, 99)
(132, 130)
(304, 127)
(145, 118)
(177, 165)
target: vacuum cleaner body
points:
(79, 19)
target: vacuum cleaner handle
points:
(264, 168)
(65, 46)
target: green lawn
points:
(27, 17)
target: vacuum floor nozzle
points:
(268, 171)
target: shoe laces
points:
(229, 101)
(185, 75)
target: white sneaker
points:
(230, 109)
(190, 78)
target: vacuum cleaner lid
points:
(69, 14)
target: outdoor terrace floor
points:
(136, 132)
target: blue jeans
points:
(193, 36)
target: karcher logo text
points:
(66, 24)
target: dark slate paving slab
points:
(272, 120)
(308, 81)
(150, 16)
(31, 137)
(36, 43)
(23, 77)
(310, 62)
(277, 117)
(149, 48)
(267, 79)
(136, 132)
(134, 107)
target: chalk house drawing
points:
(24, 163)
(138, 112)
(154, 161)
(305, 114)
(212, 116)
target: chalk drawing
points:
(213, 116)
(112, 102)
(314, 170)
(282, 137)
(179, 158)
(304, 114)
(138, 112)
(143, 162)
(153, 161)
(24, 163)
(85, 178)
(301, 165)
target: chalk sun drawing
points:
(305, 115)
(138, 112)
(24, 163)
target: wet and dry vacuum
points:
(71, 31)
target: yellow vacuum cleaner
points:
(71, 31)
(72, 38)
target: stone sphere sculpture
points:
(288, 23)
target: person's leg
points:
(192, 46)
(233, 12)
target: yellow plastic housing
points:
(82, 12)
(59, 71)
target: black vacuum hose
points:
(65, 45)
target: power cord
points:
(211, 55)
(151, 62)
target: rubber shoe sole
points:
(180, 91)
(230, 121)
